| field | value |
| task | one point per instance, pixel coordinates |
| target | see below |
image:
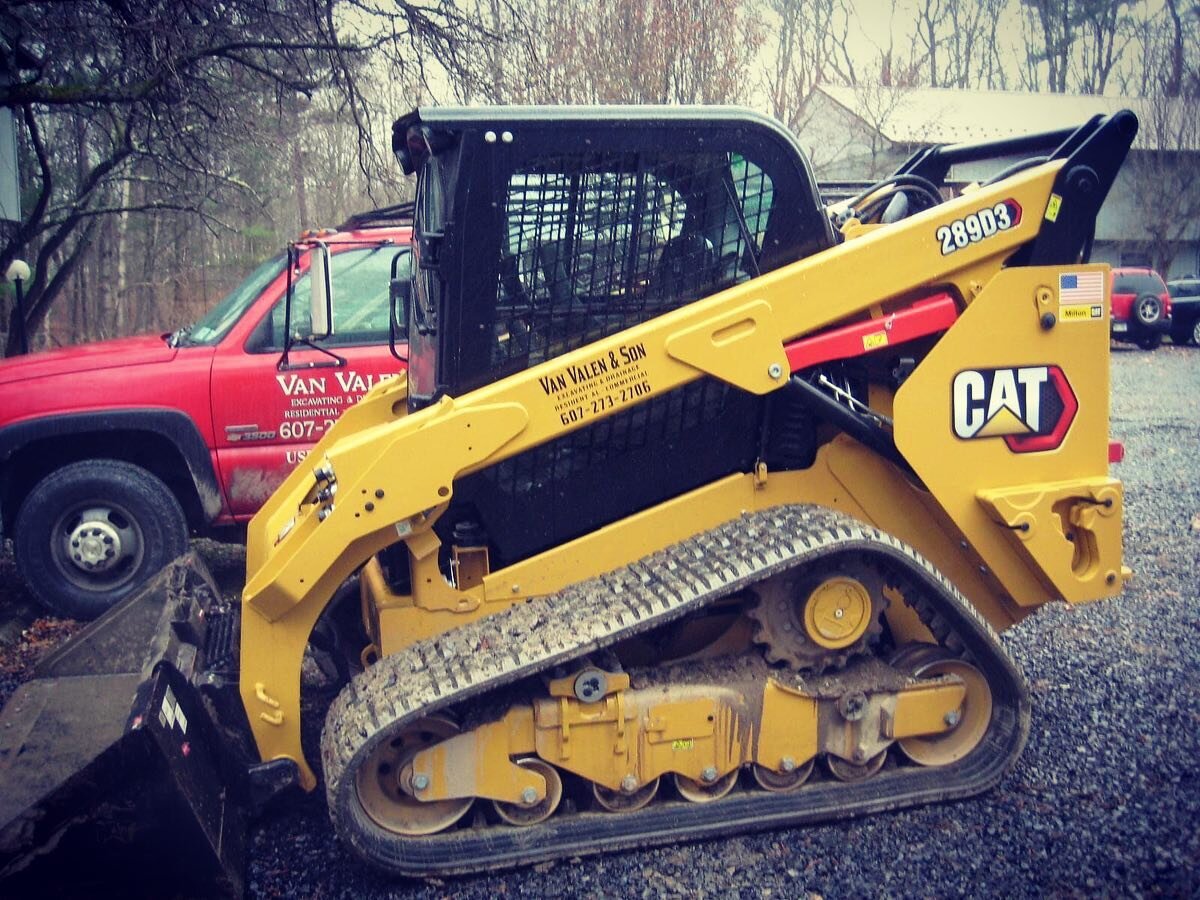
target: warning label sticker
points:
(612, 379)
(1081, 313)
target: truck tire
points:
(91, 533)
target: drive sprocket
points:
(820, 619)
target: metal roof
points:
(947, 116)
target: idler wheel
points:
(378, 782)
(972, 720)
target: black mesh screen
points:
(596, 242)
(592, 243)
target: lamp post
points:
(18, 274)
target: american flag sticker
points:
(1081, 287)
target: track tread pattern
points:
(531, 637)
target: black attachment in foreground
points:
(115, 777)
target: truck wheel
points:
(1149, 341)
(91, 533)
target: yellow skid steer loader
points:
(697, 512)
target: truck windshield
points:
(217, 322)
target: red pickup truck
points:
(113, 453)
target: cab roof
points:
(409, 141)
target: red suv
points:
(1141, 307)
(112, 453)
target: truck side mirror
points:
(320, 299)
(399, 298)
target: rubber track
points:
(531, 637)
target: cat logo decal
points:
(1030, 407)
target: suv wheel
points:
(1148, 309)
(1149, 341)
(91, 533)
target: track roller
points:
(620, 801)
(516, 814)
(699, 792)
(782, 782)
(843, 770)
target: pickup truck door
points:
(268, 414)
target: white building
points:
(1152, 213)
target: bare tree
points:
(1052, 31)
(896, 64)
(1079, 42)
(1161, 174)
(959, 39)
(809, 36)
(633, 51)
(147, 107)
(1103, 39)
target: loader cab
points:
(540, 231)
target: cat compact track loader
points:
(697, 512)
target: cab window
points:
(360, 301)
(595, 242)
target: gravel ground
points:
(1105, 799)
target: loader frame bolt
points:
(420, 782)
(787, 764)
(529, 796)
(709, 775)
(953, 717)
(775, 370)
(629, 784)
(852, 706)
